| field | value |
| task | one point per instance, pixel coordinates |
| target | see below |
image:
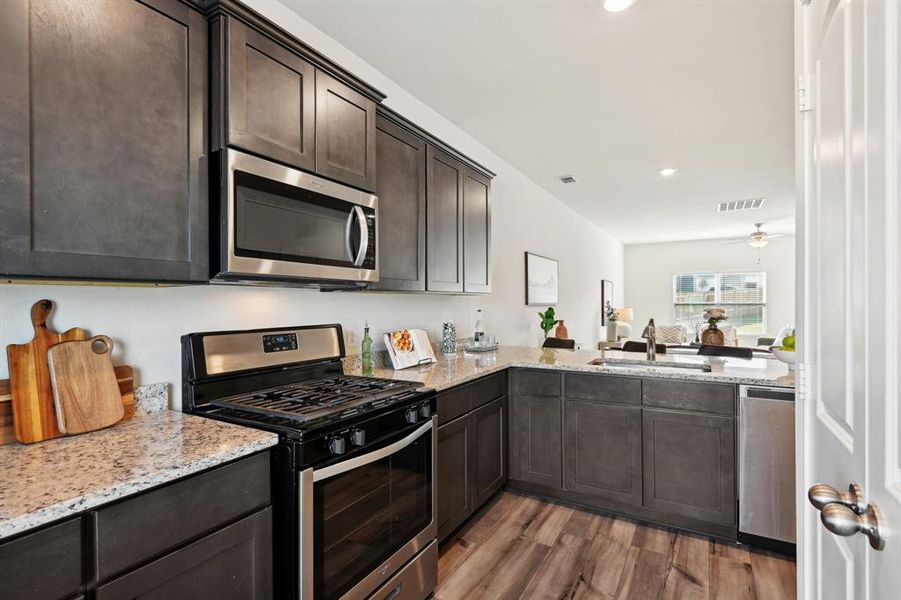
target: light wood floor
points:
(523, 547)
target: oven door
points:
(363, 518)
(284, 223)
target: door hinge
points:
(803, 93)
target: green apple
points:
(788, 343)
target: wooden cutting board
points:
(34, 416)
(85, 390)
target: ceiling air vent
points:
(567, 179)
(733, 205)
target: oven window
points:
(282, 222)
(367, 514)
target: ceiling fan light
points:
(758, 242)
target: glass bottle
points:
(366, 351)
(479, 329)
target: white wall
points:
(650, 269)
(146, 322)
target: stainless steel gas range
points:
(354, 471)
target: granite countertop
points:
(41, 483)
(454, 369)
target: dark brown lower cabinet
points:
(490, 434)
(472, 449)
(234, 563)
(535, 440)
(44, 565)
(656, 450)
(454, 485)
(689, 465)
(602, 450)
(208, 535)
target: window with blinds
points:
(741, 295)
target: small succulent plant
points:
(548, 320)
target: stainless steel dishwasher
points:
(766, 478)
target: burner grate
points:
(301, 402)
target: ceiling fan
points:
(757, 239)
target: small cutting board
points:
(34, 417)
(85, 390)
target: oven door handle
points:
(363, 228)
(359, 461)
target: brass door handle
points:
(841, 520)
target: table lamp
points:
(624, 317)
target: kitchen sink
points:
(621, 362)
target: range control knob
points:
(426, 411)
(411, 415)
(357, 437)
(336, 445)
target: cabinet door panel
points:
(345, 133)
(535, 440)
(234, 563)
(43, 565)
(444, 238)
(271, 99)
(603, 450)
(103, 160)
(476, 233)
(454, 485)
(689, 465)
(490, 460)
(400, 186)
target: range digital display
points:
(280, 342)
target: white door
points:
(847, 140)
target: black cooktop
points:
(307, 401)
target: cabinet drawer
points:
(489, 388)
(538, 383)
(232, 563)
(604, 388)
(45, 565)
(140, 528)
(683, 395)
(453, 403)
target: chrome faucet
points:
(651, 335)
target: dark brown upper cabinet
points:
(279, 99)
(476, 232)
(103, 160)
(444, 222)
(400, 186)
(271, 98)
(345, 133)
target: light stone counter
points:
(47, 481)
(451, 370)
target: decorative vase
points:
(449, 338)
(611, 331)
(712, 336)
(561, 333)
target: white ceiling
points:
(563, 87)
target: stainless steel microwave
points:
(279, 224)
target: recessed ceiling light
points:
(615, 6)
(667, 171)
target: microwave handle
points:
(364, 236)
(359, 461)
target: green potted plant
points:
(548, 320)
